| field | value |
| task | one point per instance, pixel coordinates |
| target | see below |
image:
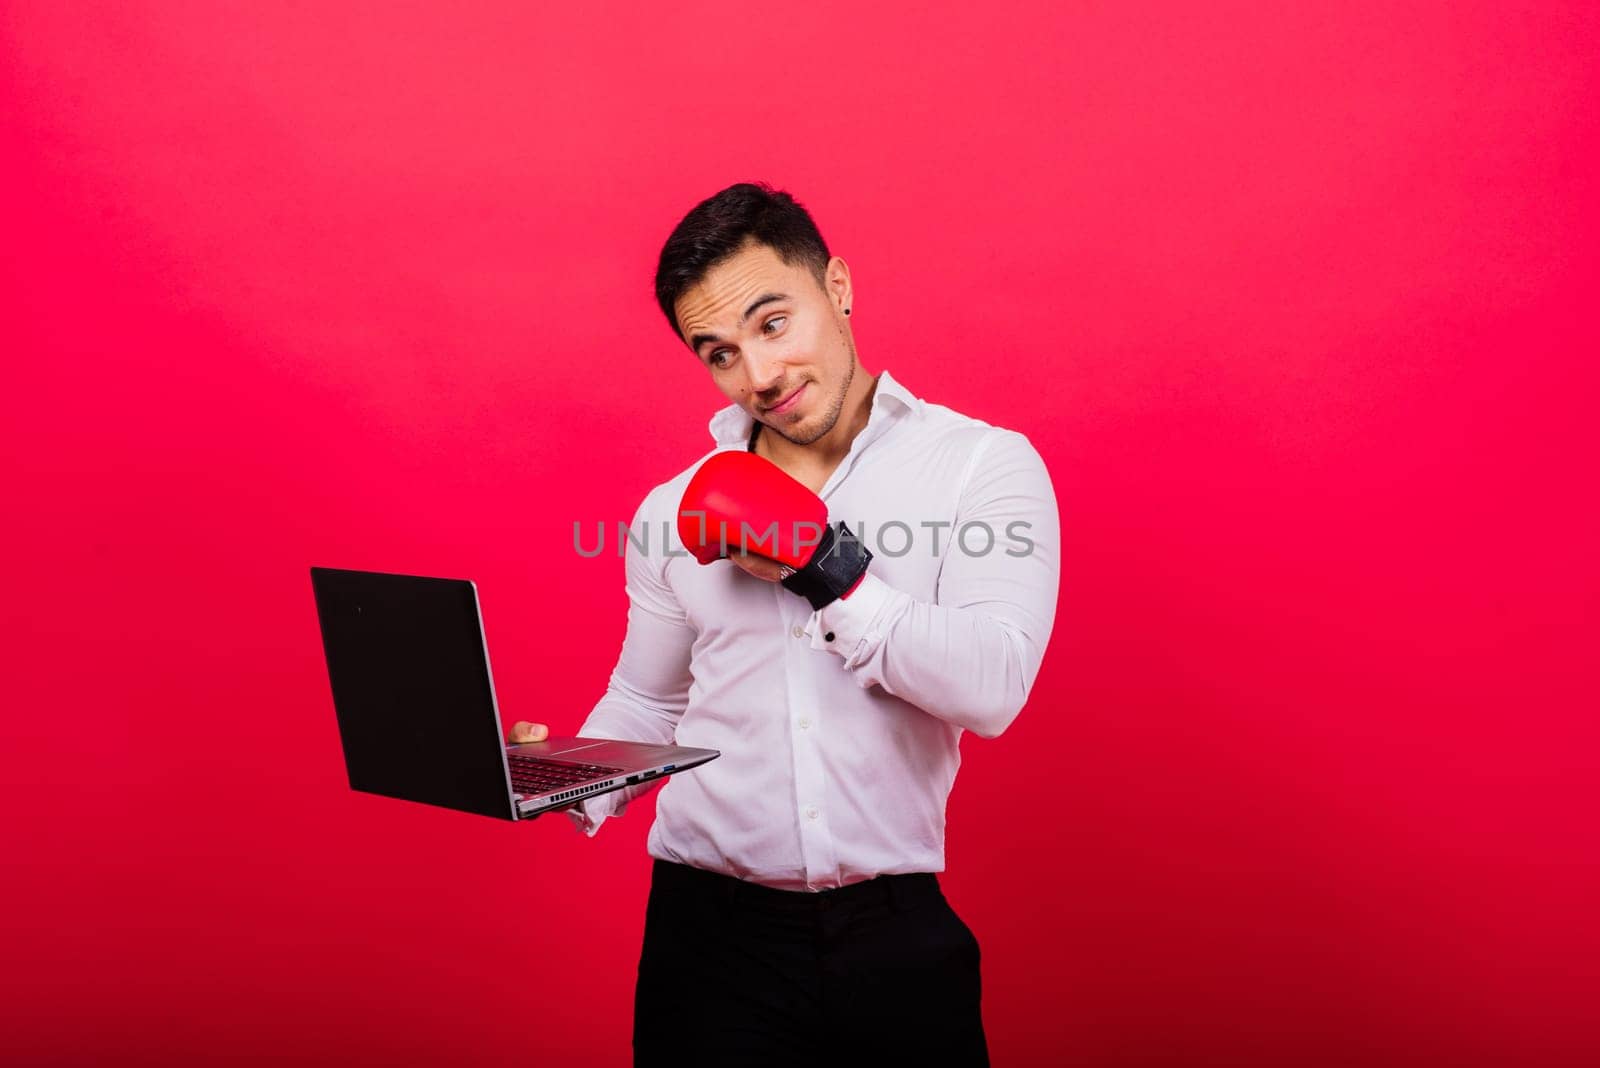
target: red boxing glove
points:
(739, 501)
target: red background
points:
(1293, 304)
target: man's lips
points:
(787, 403)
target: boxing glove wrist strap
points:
(834, 568)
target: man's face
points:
(775, 340)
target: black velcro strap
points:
(837, 564)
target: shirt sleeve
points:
(649, 688)
(970, 657)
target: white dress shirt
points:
(840, 729)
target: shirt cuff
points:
(846, 625)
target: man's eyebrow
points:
(766, 298)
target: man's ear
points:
(837, 283)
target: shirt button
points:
(811, 812)
(799, 632)
(805, 723)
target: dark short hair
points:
(719, 226)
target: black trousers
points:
(733, 973)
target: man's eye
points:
(718, 358)
(774, 322)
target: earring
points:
(847, 311)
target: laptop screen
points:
(412, 690)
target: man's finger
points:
(524, 731)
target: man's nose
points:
(764, 373)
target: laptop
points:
(409, 669)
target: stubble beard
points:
(835, 407)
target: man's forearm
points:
(971, 656)
(969, 666)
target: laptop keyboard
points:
(535, 775)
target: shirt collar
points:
(732, 425)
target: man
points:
(793, 911)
